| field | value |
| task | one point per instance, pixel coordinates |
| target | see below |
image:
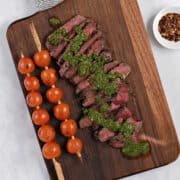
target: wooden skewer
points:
(35, 36)
(57, 165)
(58, 169)
(144, 137)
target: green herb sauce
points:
(97, 99)
(130, 148)
(135, 149)
(79, 40)
(54, 22)
(54, 38)
(104, 107)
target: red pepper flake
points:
(169, 27)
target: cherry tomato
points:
(40, 117)
(51, 150)
(26, 65)
(46, 133)
(74, 146)
(54, 94)
(34, 99)
(49, 76)
(61, 111)
(31, 83)
(68, 128)
(42, 58)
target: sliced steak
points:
(88, 44)
(109, 66)
(85, 122)
(77, 79)
(137, 124)
(89, 97)
(123, 114)
(97, 47)
(89, 29)
(107, 55)
(68, 27)
(59, 49)
(117, 141)
(114, 107)
(82, 85)
(122, 96)
(123, 69)
(63, 69)
(71, 72)
(104, 135)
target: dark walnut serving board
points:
(125, 33)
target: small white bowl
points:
(164, 42)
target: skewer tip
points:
(21, 54)
(80, 157)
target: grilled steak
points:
(99, 80)
(68, 27)
(117, 141)
(104, 135)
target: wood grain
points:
(124, 31)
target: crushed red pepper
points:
(169, 27)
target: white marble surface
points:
(20, 156)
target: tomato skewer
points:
(61, 111)
(46, 133)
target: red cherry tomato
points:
(49, 76)
(68, 128)
(61, 111)
(54, 94)
(31, 83)
(74, 146)
(40, 117)
(46, 133)
(51, 150)
(26, 65)
(42, 58)
(34, 99)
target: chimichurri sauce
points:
(101, 82)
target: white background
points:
(20, 156)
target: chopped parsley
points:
(104, 107)
(54, 38)
(54, 22)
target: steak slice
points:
(106, 54)
(137, 124)
(59, 49)
(123, 69)
(97, 47)
(70, 72)
(109, 66)
(77, 79)
(123, 114)
(88, 44)
(78, 19)
(122, 96)
(64, 68)
(85, 122)
(104, 135)
(90, 97)
(117, 141)
(82, 85)
(89, 29)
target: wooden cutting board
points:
(124, 31)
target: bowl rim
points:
(164, 42)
